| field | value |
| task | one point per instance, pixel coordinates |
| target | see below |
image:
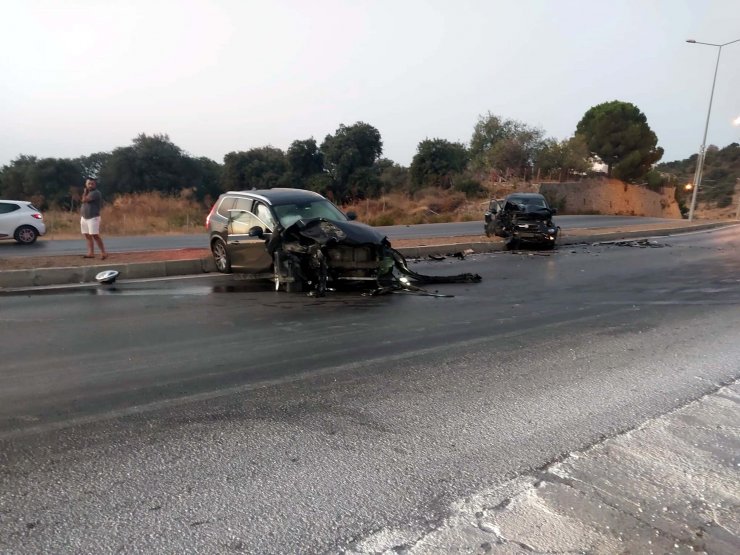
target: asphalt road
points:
(47, 247)
(211, 415)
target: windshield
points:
(288, 214)
(534, 202)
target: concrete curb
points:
(42, 277)
(13, 279)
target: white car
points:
(20, 220)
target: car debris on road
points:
(639, 243)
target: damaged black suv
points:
(301, 241)
(522, 218)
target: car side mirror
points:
(351, 215)
(487, 217)
(554, 211)
(256, 231)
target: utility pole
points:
(703, 149)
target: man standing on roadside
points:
(91, 203)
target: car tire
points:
(294, 286)
(26, 235)
(513, 244)
(295, 283)
(221, 256)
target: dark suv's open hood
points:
(532, 213)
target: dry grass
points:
(154, 213)
(428, 206)
(135, 214)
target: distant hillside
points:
(721, 170)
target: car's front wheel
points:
(26, 235)
(512, 244)
(221, 256)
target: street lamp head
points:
(691, 41)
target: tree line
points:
(721, 173)
(349, 164)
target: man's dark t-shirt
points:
(91, 208)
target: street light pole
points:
(702, 149)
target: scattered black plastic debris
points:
(406, 282)
(402, 266)
(640, 243)
(437, 257)
(462, 254)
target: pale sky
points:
(83, 76)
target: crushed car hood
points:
(326, 232)
(533, 213)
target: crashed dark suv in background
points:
(522, 218)
(301, 241)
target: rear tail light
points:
(208, 218)
(37, 216)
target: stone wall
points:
(611, 197)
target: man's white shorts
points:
(90, 226)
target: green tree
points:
(91, 164)
(52, 178)
(258, 168)
(351, 149)
(208, 185)
(561, 158)
(120, 172)
(151, 163)
(504, 145)
(393, 177)
(14, 178)
(618, 133)
(436, 162)
(321, 183)
(46, 182)
(364, 183)
(304, 160)
(721, 171)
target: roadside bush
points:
(470, 187)
(724, 202)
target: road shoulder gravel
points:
(669, 486)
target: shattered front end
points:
(317, 255)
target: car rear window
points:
(226, 204)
